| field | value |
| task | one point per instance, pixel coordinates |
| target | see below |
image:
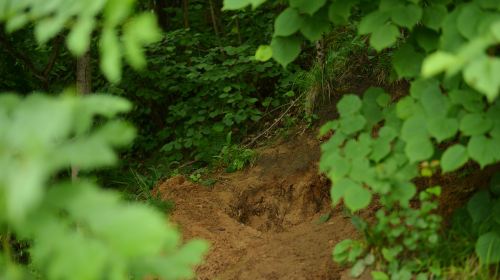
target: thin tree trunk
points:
(83, 86)
(185, 12)
(214, 18)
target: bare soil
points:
(264, 222)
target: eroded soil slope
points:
(263, 223)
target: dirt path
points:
(263, 223)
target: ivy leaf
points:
(287, 23)
(475, 124)
(385, 36)
(406, 16)
(356, 197)
(350, 104)
(482, 150)
(482, 75)
(285, 49)
(488, 248)
(454, 157)
(264, 53)
(442, 128)
(307, 6)
(419, 149)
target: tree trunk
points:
(83, 86)
(185, 12)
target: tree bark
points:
(83, 86)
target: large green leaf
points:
(475, 124)
(307, 6)
(285, 49)
(483, 150)
(349, 105)
(454, 157)
(407, 61)
(442, 128)
(384, 37)
(288, 22)
(419, 149)
(356, 197)
(482, 75)
(488, 248)
(406, 16)
(434, 15)
(313, 27)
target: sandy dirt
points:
(264, 222)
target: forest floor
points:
(268, 221)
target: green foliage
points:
(75, 230)
(94, 238)
(208, 93)
(53, 17)
(448, 52)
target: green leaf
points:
(352, 124)
(358, 268)
(288, 22)
(475, 124)
(437, 62)
(138, 32)
(482, 75)
(339, 189)
(349, 105)
(454, 157)
(307, 6)
(471, 100)
(406, 61)
(356, 197)
(314, 27)
(372, 22)
(78, 39)
(264, 53)
(340, 10)
(111, 58)
(379, 275)
(479, 206)
(385, 36)
(49, 27)
(336, 166)
(406, 16)
(482, 150)
(442, 128)
(495, 184)
(235, 4)
(434, 16)
(414, 128)
(468, 19)
(419, 149)
(285, 49)
(488, 248)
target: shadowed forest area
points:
(249, 139)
